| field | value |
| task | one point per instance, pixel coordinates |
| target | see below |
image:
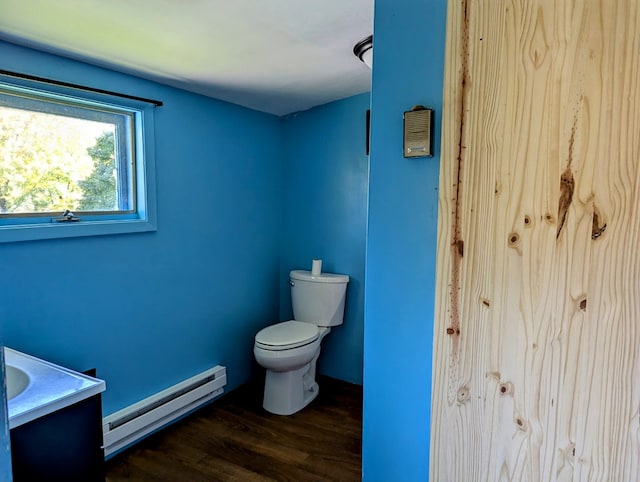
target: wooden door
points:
(537, 331)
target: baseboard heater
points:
(134, 422)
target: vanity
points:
(55, 421)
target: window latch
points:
(67, 217)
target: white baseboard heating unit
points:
(132, 423)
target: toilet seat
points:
(287, 335)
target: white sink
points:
(17, 381)
(36, 387)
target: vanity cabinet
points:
(64, 446)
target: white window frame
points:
(142, 215)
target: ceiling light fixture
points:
(364, 50)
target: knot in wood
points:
(463, 395)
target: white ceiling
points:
(276, 56)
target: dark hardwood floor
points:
(234, 439)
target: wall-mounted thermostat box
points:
(417, 132)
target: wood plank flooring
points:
(235, 439)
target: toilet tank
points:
(318, 299)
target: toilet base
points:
(286, 393)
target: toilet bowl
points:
(290, 360)
(290, 350)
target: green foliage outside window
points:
(99, 189)
(49, 163)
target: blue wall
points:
(401, 243)
(150, 309)
(325, 214)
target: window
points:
(73, 164)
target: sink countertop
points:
(51, 388)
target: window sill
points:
(32, 232)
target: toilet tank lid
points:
(321, 278)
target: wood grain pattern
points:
(234, 439)
(537, 337)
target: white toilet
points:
(289, 350)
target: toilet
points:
(289, 350)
